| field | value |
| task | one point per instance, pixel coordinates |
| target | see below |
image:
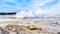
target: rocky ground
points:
(37, 28)
(23, 26)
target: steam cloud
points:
(41, 8)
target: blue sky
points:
(31, 7)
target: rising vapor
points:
(40, 8)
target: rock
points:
(18, 29)
(3, 31)
(58, 33)
(28, 29)
(11, 32)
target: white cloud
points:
(55, 10)
(38, 3)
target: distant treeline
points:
(7, 13)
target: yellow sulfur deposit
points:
(16, 17)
